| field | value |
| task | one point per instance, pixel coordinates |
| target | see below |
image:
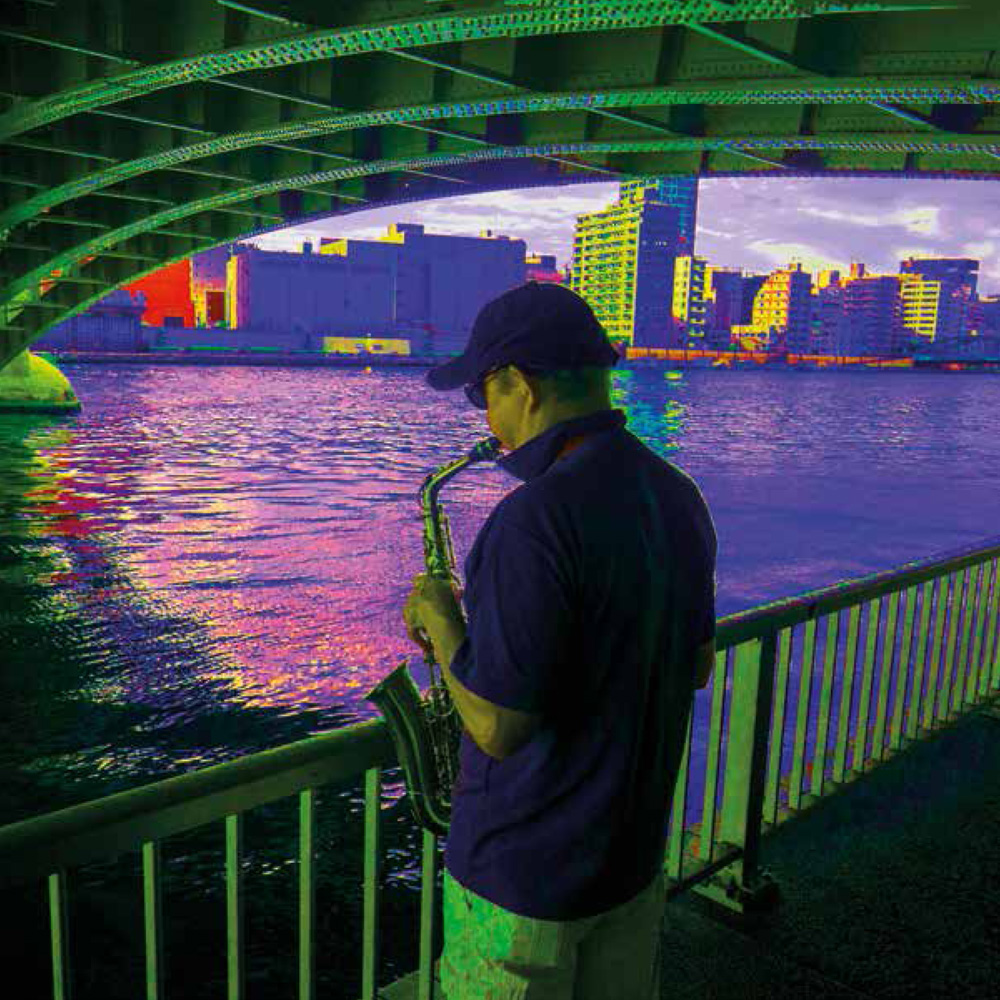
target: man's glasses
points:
(475, 391)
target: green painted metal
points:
(883, 686)
(745, 770)
(373, 879)
(913, 709)
(675, 843)
(152, 913)
(825, 701)
(752, 663)
(948, 688)
(932, 709)
(488, 21)
(895, 733)
(429, 911)
(846, 690)
(992, 653)
(965, 686)
(307, 894)
(59, 934)
(706, 841)
(829, 92)
(625, 67)
(235, 962)
(977, 669)
(770, 810)
(802, 715)
(867, 680)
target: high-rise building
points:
(873, 311)
(922, 306)
(677, 191)
(952, 271)
(958, 277)
(829, 332)
(623, 258)
(689, 296)
(724, 309)
(781, 313)
(827, 278)
(752, 284)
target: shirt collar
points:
(535, 456)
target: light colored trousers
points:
(492, 954)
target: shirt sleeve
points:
(520, 621)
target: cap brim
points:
(452, 374)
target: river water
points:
(210, 561)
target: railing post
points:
(742, 887)
(428, 916)
(235, 962)
(373, 879)
(307, 894)
(152, 904)
(59, 932)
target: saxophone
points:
(426, 731)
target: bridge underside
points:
(135, 135)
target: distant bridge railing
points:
(947, 605)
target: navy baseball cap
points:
(539, 326)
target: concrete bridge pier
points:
(30, 384)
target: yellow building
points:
(689, 293)
(781, 310)
(921, 304)
(826, 278)
(623, 258)
(604, 265)
(363, 345)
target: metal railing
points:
(955, 668)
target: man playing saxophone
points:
(590, 599)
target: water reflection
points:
(209, 561)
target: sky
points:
(757, 224)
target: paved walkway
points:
(890, 889)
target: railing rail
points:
(717, 857)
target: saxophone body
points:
(426, 729)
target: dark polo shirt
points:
(587, 590)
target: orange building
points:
(168, 293)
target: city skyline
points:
(754, 224)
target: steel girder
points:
(134, 135)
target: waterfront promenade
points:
(889, 889)
(672, 359)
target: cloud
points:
(714, 232)
(847, 218)
(984, 249)
(923, 219)
(781, 253)
(757, 224)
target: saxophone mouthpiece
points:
(487, 450)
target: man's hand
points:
(431, 601)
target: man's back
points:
(589, 590)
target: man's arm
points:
(496, 730)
